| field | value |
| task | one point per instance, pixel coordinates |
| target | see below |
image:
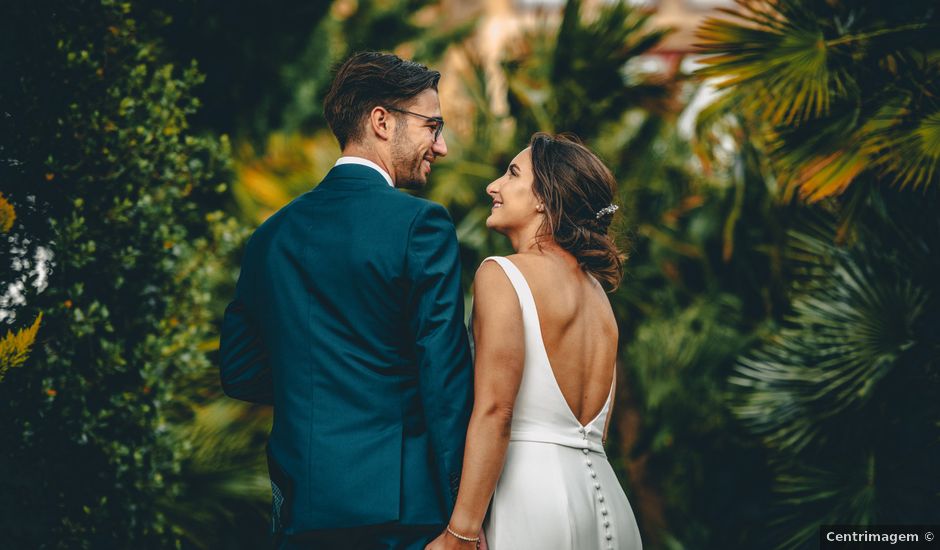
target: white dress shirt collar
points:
(366, 162)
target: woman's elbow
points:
(495, 413)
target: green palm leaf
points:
(842, 90)
(587, 82)
(842, 494)
(913, 151)
(848, 328)
(782, 61)
(841, 393)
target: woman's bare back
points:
(578, 329)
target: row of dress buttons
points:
(600, 495)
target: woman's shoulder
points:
(494, 292)
(526, 264)
(491, 273)
(521, 260)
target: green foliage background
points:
(102, 168)
(779, 329)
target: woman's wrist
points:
(466, 538)
(465, 525)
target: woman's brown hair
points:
(578, 191)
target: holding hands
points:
(451, 540)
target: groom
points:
(348, 318)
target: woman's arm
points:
(500, 354)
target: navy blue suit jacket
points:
(348, 318)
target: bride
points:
(535, 475)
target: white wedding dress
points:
(557, 490)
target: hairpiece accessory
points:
(610, 209)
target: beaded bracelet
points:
(463, 538)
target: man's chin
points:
(413, 182)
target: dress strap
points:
(526, 300)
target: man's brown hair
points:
(367, 80)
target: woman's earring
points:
(540, 208)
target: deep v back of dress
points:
(557, 489)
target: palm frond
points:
(912, 154)
(823, 177)
(841, 89)
(831, 495)
(586, 84)
(846, 332)
(843, 393)
(782, 63)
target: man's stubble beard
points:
(407, 163)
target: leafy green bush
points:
(104, 173)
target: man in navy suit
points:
(348, 318)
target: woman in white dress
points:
(535, 474)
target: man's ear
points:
(381, 122)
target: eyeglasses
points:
(437, 129)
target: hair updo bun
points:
(578, 192)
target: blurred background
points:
(777, 167)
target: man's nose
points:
(440, 147)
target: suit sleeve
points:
(441, 345)
(244, 368)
